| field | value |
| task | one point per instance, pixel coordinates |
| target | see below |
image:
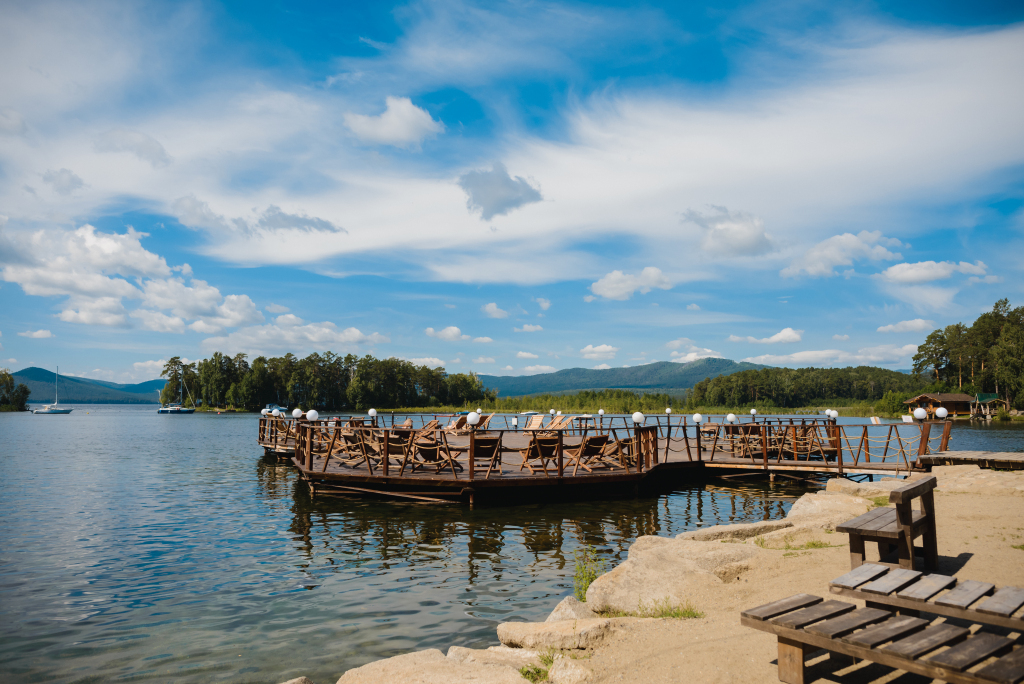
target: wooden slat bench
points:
(805, 623)
(898, 527)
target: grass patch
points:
(547, 659)
(880, 501)
(532, 673)
(1017, 546)
(789, 546)
(588, 568)
(658, 609)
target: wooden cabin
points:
(985, 406)
(956, 404)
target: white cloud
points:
(493, 311)
(842, 250)
(483, 359)
(449, 334)
(841, 338)
(495, 192)
(692, 307)
(508, 368)
(785, 335)
(731, 233)
(602, 366)
(401, 124)
(544, 304)
(158, 321)
(148, 369)
(276, 308)
(526, 355)
(291, 335)
(621, 286)
(927, 271)
(141, 145)
(989, 279)
(107, 311)
(36, 334)
(528, 327)
(923, 298)
(600, 352)
(429, 361)
(483, 340)
(456, 360)
(63, 181)
(887, 353)
(539, 369)
(916, 325)
(689, 351)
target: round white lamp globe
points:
(697, 418)
(638, 417)
(668, 411)
(372, 413)
(473, 418)
(312, 414)
(277, 413)
(480, 411)
(941, 413)
(552, 411)
(600, 412)
(264, 412)
(920, 413)
(731, 417)
(753, 412)
(296, 413)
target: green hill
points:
(86, 391)
(663, 376)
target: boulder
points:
(568, 671)
(565, 634)
(827, 509)
(571, 608)
(430, 667)
(515, 658)
(867, 490)
(736, 532)
(300, 680)
(662, 569)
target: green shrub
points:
(532, 673)
(588, 567)
(1003, 414)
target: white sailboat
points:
(177, 408)
(54, 408)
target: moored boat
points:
(54, 409)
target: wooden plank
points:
(893, 629)
(844, 624)
(926, 640)
(926, 587)
(893, 529)
(1005, 602)
(893, 581)
(863, 519)
(965, 593)
(913, 489)
(816, 613)
(770, 610)
(931, 607)
(1007, 670)
(859, 576)
(975, 649)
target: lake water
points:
(145, 547)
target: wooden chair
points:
(898, 526)
(427, 452)
(486, 451)
(541, 449)
(624, 450)
(535, 423)
(482, 425)
(458, 423)
(591, 454)
(557, 423)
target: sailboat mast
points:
(55, 376)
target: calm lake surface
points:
(145, 547)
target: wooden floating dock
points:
(571, 459)
(1002, 460)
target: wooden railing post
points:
(560, 453)
(946, 428)
(472, 452)
(764, 445)
(700, 456)
(638, 451)
(309, 446)
(922, 448)
(387, 447)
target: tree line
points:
(325, 382)
(12, 397)
(985, 357)
(802, 387)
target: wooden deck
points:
(335, 457)
(1002, 460)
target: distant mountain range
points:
(663, 376)
(74, 390)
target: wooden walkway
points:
(1001, 460)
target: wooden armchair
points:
(591, 453)
(542, 449)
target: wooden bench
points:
(804, 623)
(898, 527)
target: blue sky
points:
(506, 188)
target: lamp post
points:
(753, 415)
(600, 418)
(941, 413)
(297, 413)
(277, 413)
(698, 419)
(373, 416)
(312, 414)
(920, 414)
(731, 418)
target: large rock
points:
(867, 490)
(662, 569)
(515, 658)
(430, 667)
(827, 509)
(571, 608)
(300, 680)
(566, 634)
(735, 532)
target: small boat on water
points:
(176, 408)
(54, 409)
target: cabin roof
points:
(987, 398)
(942, 398)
